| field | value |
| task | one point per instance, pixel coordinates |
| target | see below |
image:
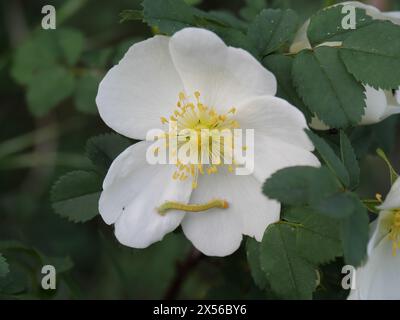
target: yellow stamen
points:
(164, 120)
(197, 116)
(394, 231)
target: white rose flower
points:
(380, 104)
(216, 86)
(378, 278)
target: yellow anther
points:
(182, 177)
(164, 120)
(378, 197)
(192, 114)
(232, 110)
(394, 231)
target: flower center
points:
(394, 230)
(208, 135)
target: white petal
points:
(318, 124)
(131, 193)
(379, 229)
(393, 106)
(300, 41)
(275, 118)
(376, 104)
(379, 278)
(256, 209)
(392, 200)
(225, 76)
(393, 16)
(354, 295)
(139, 90)
(272, 155)
(218, 232)
(398, 96)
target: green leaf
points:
(4, 269)
(355, 234)
(393, 174)
(281, 67)
(338, 205)
(231, 36)
(327, 88)
(103, 149)
(48, 88)
(349, 160)
(36, 54)
(252, 8)
(272, 29)
(169, 16)
(45, 50)
(330, 158)
(301, 185)
(71, 43)
(62, 264)
(85, 93)
(98, 59)
(317, 239)
(253, 257)
(372, 54)
(76, 195)
(326, 25)
(227, 19)
(289, 275)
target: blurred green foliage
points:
(48, 82)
